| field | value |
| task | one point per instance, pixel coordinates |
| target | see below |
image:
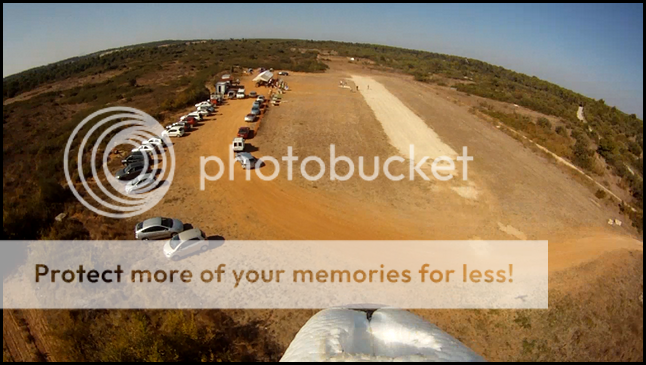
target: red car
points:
(244, 132)
(189, 120)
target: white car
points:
(185, 244)
(140, 184)
(241, 94)
(145, 148)
(204, 103)
(203, 111)
(196, 115)
(261, 99)
(238, 144)
(157, 142)
(174, 132)
(185, 125)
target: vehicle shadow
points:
(215, 242)
(250, 148)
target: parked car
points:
(238, 144)
(204, 103)
(250, 117)
(244, 132)
(156, 228)
(137, 157)
(253, 94)
(231, 94)
(246, 160)
(202, 112)
(145, 148)
(185, 244)
(140, 184)
(283, 73)
(176, 131)
(255, 111)
(133, 170)
(186, 125)
(261, 99)
(241, 94)
(186, 117)
(256, 104)
(191, 121)
(196, 115)
(158, 142)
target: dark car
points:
(137, 156)
(133, 170)
(244, 132)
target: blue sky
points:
(594, 49)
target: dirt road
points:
(403, 127)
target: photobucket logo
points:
(121, 126)
(442, 168)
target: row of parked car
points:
(138, 164)
(246, 159)
(190, 120)
(178, 241)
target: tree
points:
(544, 123)
(560, 130)
(583, 155)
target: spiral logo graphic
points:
(128, 127)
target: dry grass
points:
(594, 315)
(6, 356)
(204, 336)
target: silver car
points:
(250, 117)
(246, 159)
(185, 244)
(157, 228)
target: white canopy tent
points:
(264, 76)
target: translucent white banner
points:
(274, 274)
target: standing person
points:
(368, 87)
(357, 87)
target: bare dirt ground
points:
(512, 193)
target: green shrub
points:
(544, 123)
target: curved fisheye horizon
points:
(322, 183)
(592, 49)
